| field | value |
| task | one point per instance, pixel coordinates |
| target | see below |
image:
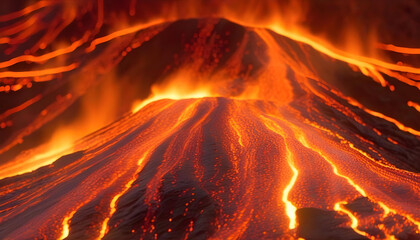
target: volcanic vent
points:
(202, 128)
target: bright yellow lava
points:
(354, 221)
(303, 141)
(66, 223)
(290, 209)
(139, 105)
(113, 203)
(112, 206)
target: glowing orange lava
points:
(192, 120)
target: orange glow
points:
(66, 225)
(236, 128)
(120, 33)
(36, 158)
(20, 107)
(393, 48)
(302, 140)
(172, 90)
(388, 210)
(45, 57)
(37, 73)
(113, 203)
(414, 105)
(389, 119)
(374, 66)
(168, 95)
(290, 209)
(385, 208)
(112, 209)
(27, 10)
(224, 119)
(354, 221)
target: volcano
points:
(203, 128)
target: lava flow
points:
(218, 120)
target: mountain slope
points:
(210, 167)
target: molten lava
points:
(217, 120)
